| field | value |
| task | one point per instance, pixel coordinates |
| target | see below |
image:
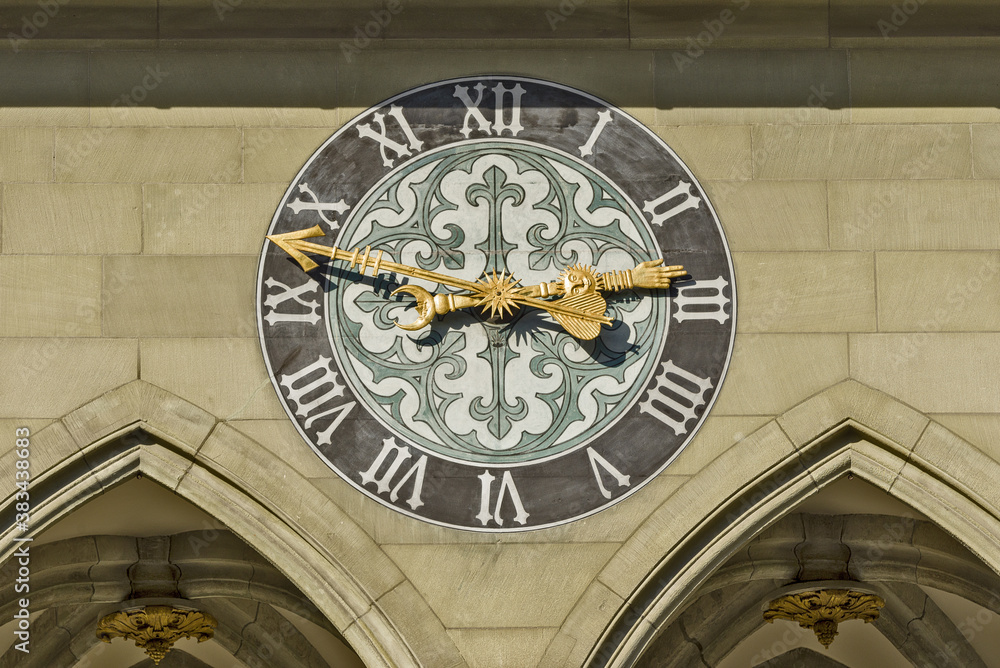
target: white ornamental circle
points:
(513, 393)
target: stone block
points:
(673, 647)
(974, 468)
(767, 555)
(914, 215)
(136, 155)
(933, 372)
(591, 615)
(691, 27)
(253, 18)
(926, 85)
(70, 218)
(160, 88)
(623, 77)
(823, 556)
(41, 89)
(50, 295)
(159, 411)
(421, 627)
(770, 373)
(718, 434)
(509, 19)
(48, 377)
(986, 151)
(156, 295)
(25, 154)
(735, 86)
(135, 19)
(32, 425)
(275, 155)
(495, 576)
(862, 152)
(73, 556)
(964, 296)
(711, 151)
(616, 523)
(281, 438)
(225, 377)
(54, 626)
(805, 292)
(982, 431)
(47, 447)
(558, 652)
(274, 638)
(207, 219)
(882, 546)
(771, 215)
(377, 521)
(499, 648)
(852, 400)
(945, 561)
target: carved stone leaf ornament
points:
(155, 628)
(496, 303)
(822, 610)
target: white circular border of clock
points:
(332, 366)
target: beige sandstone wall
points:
(864, 228)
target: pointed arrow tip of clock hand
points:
(283, 242)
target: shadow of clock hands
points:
(609, 349)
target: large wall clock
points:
(496, 303)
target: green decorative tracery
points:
(509, 392)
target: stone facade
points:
(856, 178)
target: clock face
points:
(496, 419)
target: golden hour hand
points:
(580, 279)
(579, 307)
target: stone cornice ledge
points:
(513, 24)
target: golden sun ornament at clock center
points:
(498, 294)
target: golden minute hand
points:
(291, 243)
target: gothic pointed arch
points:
(848, 428)
(139, 428)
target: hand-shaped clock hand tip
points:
(651, 274)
